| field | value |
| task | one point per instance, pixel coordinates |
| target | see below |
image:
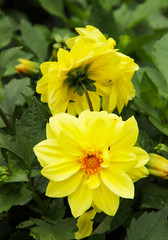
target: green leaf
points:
(149, 91)
(158, 21)
(154, 197)
(60, 230)
(144, 10)
(35, 38)
(104, 226)
(13, 94)
(101, 22)
(5, 56)
(160, 55)
(5, 30)
(30, 130)
(107, 4)
(14, 194)
(122, 214)
(150, 226)
(17, 166)
(55, 8)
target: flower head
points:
(158, 166)
(92, 63)
(89, 159)
(92, 35)
(63, 82)
(27, 67)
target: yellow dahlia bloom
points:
(121, 89)
(85, 224)
(158, 166)
(62, 82)
(92, 35)
(89, 158)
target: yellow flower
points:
(158, 166)
(89, 158)
(85, 224)
(92, 35)
(27, 67)
(62, 82)
(121, 89)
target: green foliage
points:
(5, 30)
(29, 30)
(150, 226)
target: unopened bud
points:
(157, 166)
(28, 68)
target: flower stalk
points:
(87, 97)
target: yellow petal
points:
(118, 182)
(93, 181)
(81, 199)
(123, 160)
(138, 173)
(98, 130)
(105, 200)
(85, 225)
(65, 187)
(128, 136)
(141, 155)
(49, 152)
(61, 171)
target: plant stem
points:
(4, 119)
(87, 97)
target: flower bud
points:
(27, 68)
(161, 148)
(157, 166)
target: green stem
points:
(87, 97)
(4, 119)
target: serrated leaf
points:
(160, 55)
(13, 94)
(30, 130)
(5, 30)
(144, 10)
(150, 226)
(60, 230)
(19, 176)
(5, 56)
(35, 39)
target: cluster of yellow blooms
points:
(91, 159)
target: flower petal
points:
(128, 136)
(138, 173)
(118, 182)
(61, 171)
(105, 200)
(97, 131)
(141, 155)
(49, 152)
(93, 181)
(65, 187)
(85, 225)
(80, 200)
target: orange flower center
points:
(91, 162)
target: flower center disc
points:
(91, 162)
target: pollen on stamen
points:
(91, 162)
